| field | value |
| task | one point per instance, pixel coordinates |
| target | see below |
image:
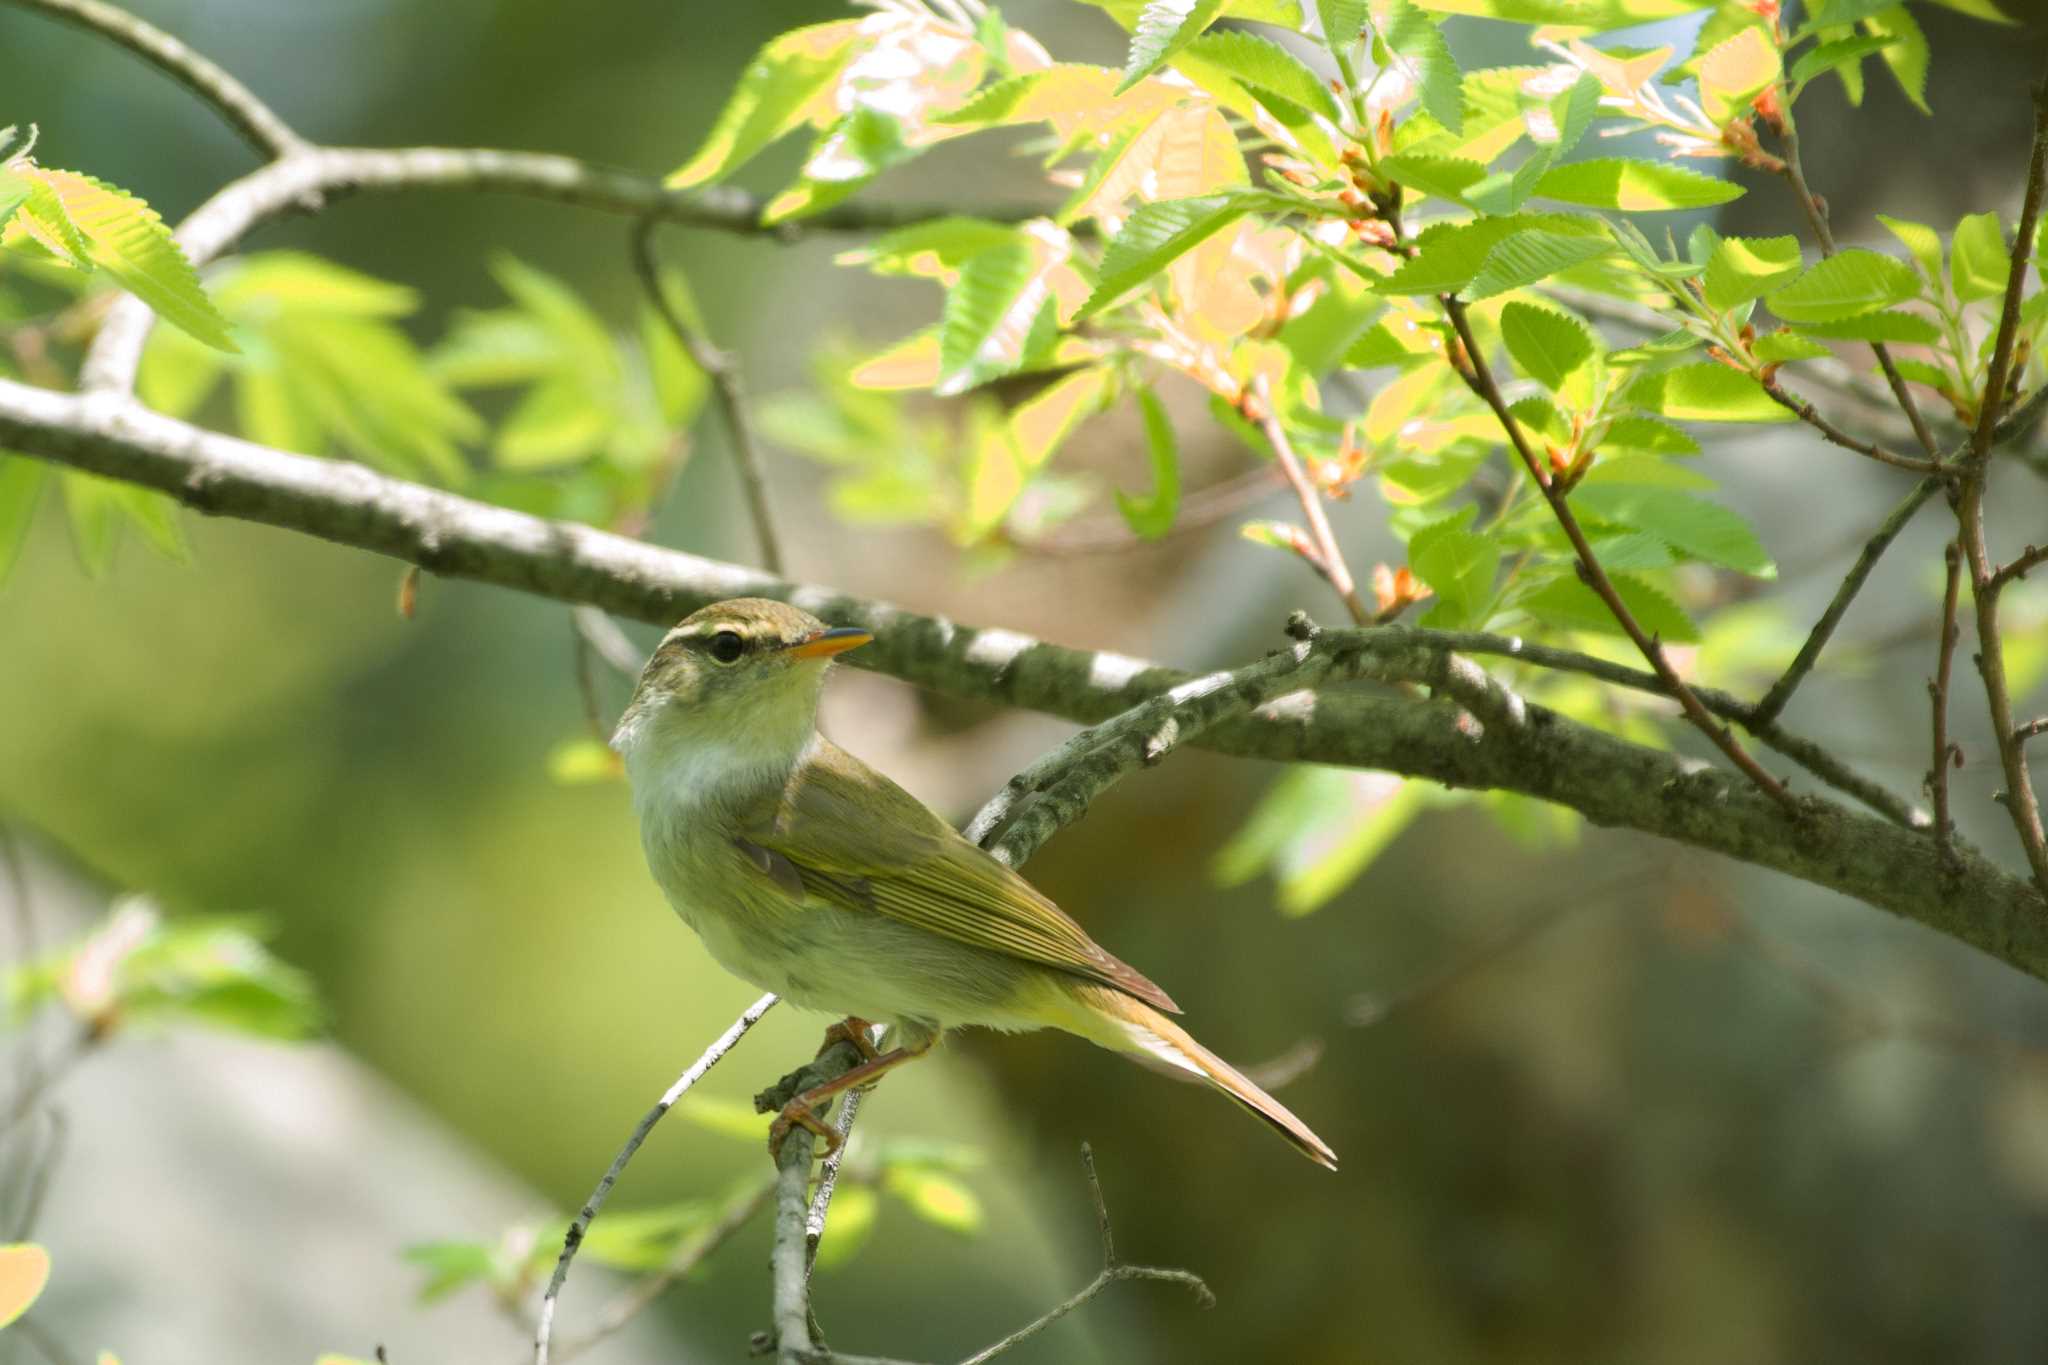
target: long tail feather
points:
(1123, 1024)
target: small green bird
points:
(811, 875)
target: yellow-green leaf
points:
(776, 95)
(1978, 264)
(1634, 186)
(1844, 285)
(24, 1270)
(125, 238)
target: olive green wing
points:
(822, 828)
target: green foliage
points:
(1151, 516)
(141, 970)
(1844, 285)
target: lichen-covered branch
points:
(1552, 758)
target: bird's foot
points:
(799, 1114)
(851, 1029)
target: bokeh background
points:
(1597, 1099)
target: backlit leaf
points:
(1844, 285)
(1151, 516)
(1635, 186)
(1978, 263)
(773, 98)
(1734, 71)
(1547, 345)
(1529, 257)
(1459, 566)
(1919, 239)
(1691, 525)
(1905, 52)
(24, 1270)
(1565, 601)
(1745, 268)
(1418, 43)
(1706, 392)
(1157, 234)
(125, 238)
(1264, 67)
(1164, 27)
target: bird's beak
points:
(826, 643)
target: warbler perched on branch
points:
(811, 875)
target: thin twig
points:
(585, 1216)
(1817, 219)
(2020, 802)
(1817, 639)
(251, 117)
(2022, 733)
(1328, 558)
(724, 373)
(1937, 691)
(828, 1180)
(2033, 557)
(1479, 378)
(1808, 414)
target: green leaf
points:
(1978, 263)
(1573, 113)
(1633, 433)
(1691, 525)
(1264, 67)
(1844, 285)
(1446, 177)
(451, 1266)
(1595, 16)
(1448, 255)
(988, 315)
(1905, 52)
(1316, 829)
(1705, 392)
(1734, 71)
(1342, 21)
(1565, 601)
(1744, 268)
(21, 484)
(853, 1220)
(1634, 186)
(558, 421)
(125, 238)
(1165, 27)
(1528, 257)
(1459, 566)
(14, 192)
(1826, 57)
(929, 250)
(1155, 235)
(1783, 345)
(24, 1270)
(1919, 239)
(1977, 9)
(1415, 38)
(1893, 324)
(772, 99)
(1548, 346)
(1151, 516)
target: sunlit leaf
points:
(1784, 345)
(1979, 265)
(1315, 830)
(1745, 268)
(1459, 566)
(1419, 44)
(1893, 324)
(1164, 27)
(1547, 345)
(1264, 67)
(1156, 235)
(935, 1197)
(989, 313)
(1706, 392)
(1691, 525)
(1342, 21)
(1919, 239)
(1565, 601)
(1594, 15)
(1527, 258)
(1449, 255)
(24, 1270)
(774, 97)
(1735, 71)
(1905, 52)
(854, 1208)
(1844, 285)
(1635, 186)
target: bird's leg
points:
(851, 1029)
(801, 1113)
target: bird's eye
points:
(727, 646)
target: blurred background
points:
(1597, 1099)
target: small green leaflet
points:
(1449, 255)
(1634, 433)
(1548, 346)
(1343, 21)
(1891, 325)
(1446, 177)
(1528, 257)
(1905, 52)
(771, 100)
(1744, 268)
(1820, 60)
(1635, 186)
(1923, 241)
(1264, 67)
(1459, 566)
(992, 305)
(1844, 285)
(1705, 392)
(1978, 264)
(1156, 235)
(1152, 516)
(1415, 38)
(1774, 347)
(1573, 112)
(1164, 28)
(1688, 524)
(1565, 601)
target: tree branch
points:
(1609, 780)
(1328, 559)
(723, 372)
(1808, 414)
(1937, 691)
(258, 124)
(584, 1217)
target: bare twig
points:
(2022, 733)
(251, 117)
(2033, 557)
(828, 1180)
(1479, 378)
(1781, 691)
(585, 1216)
(1328, 558)
(2020, 802)
(1817, 220)
(1807, 413)
(1937, 691)
(724, 374)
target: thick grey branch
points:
(1610, 781)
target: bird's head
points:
(747, 671)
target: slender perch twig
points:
(724, 373)
(1810, 415)
(585, 1216)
